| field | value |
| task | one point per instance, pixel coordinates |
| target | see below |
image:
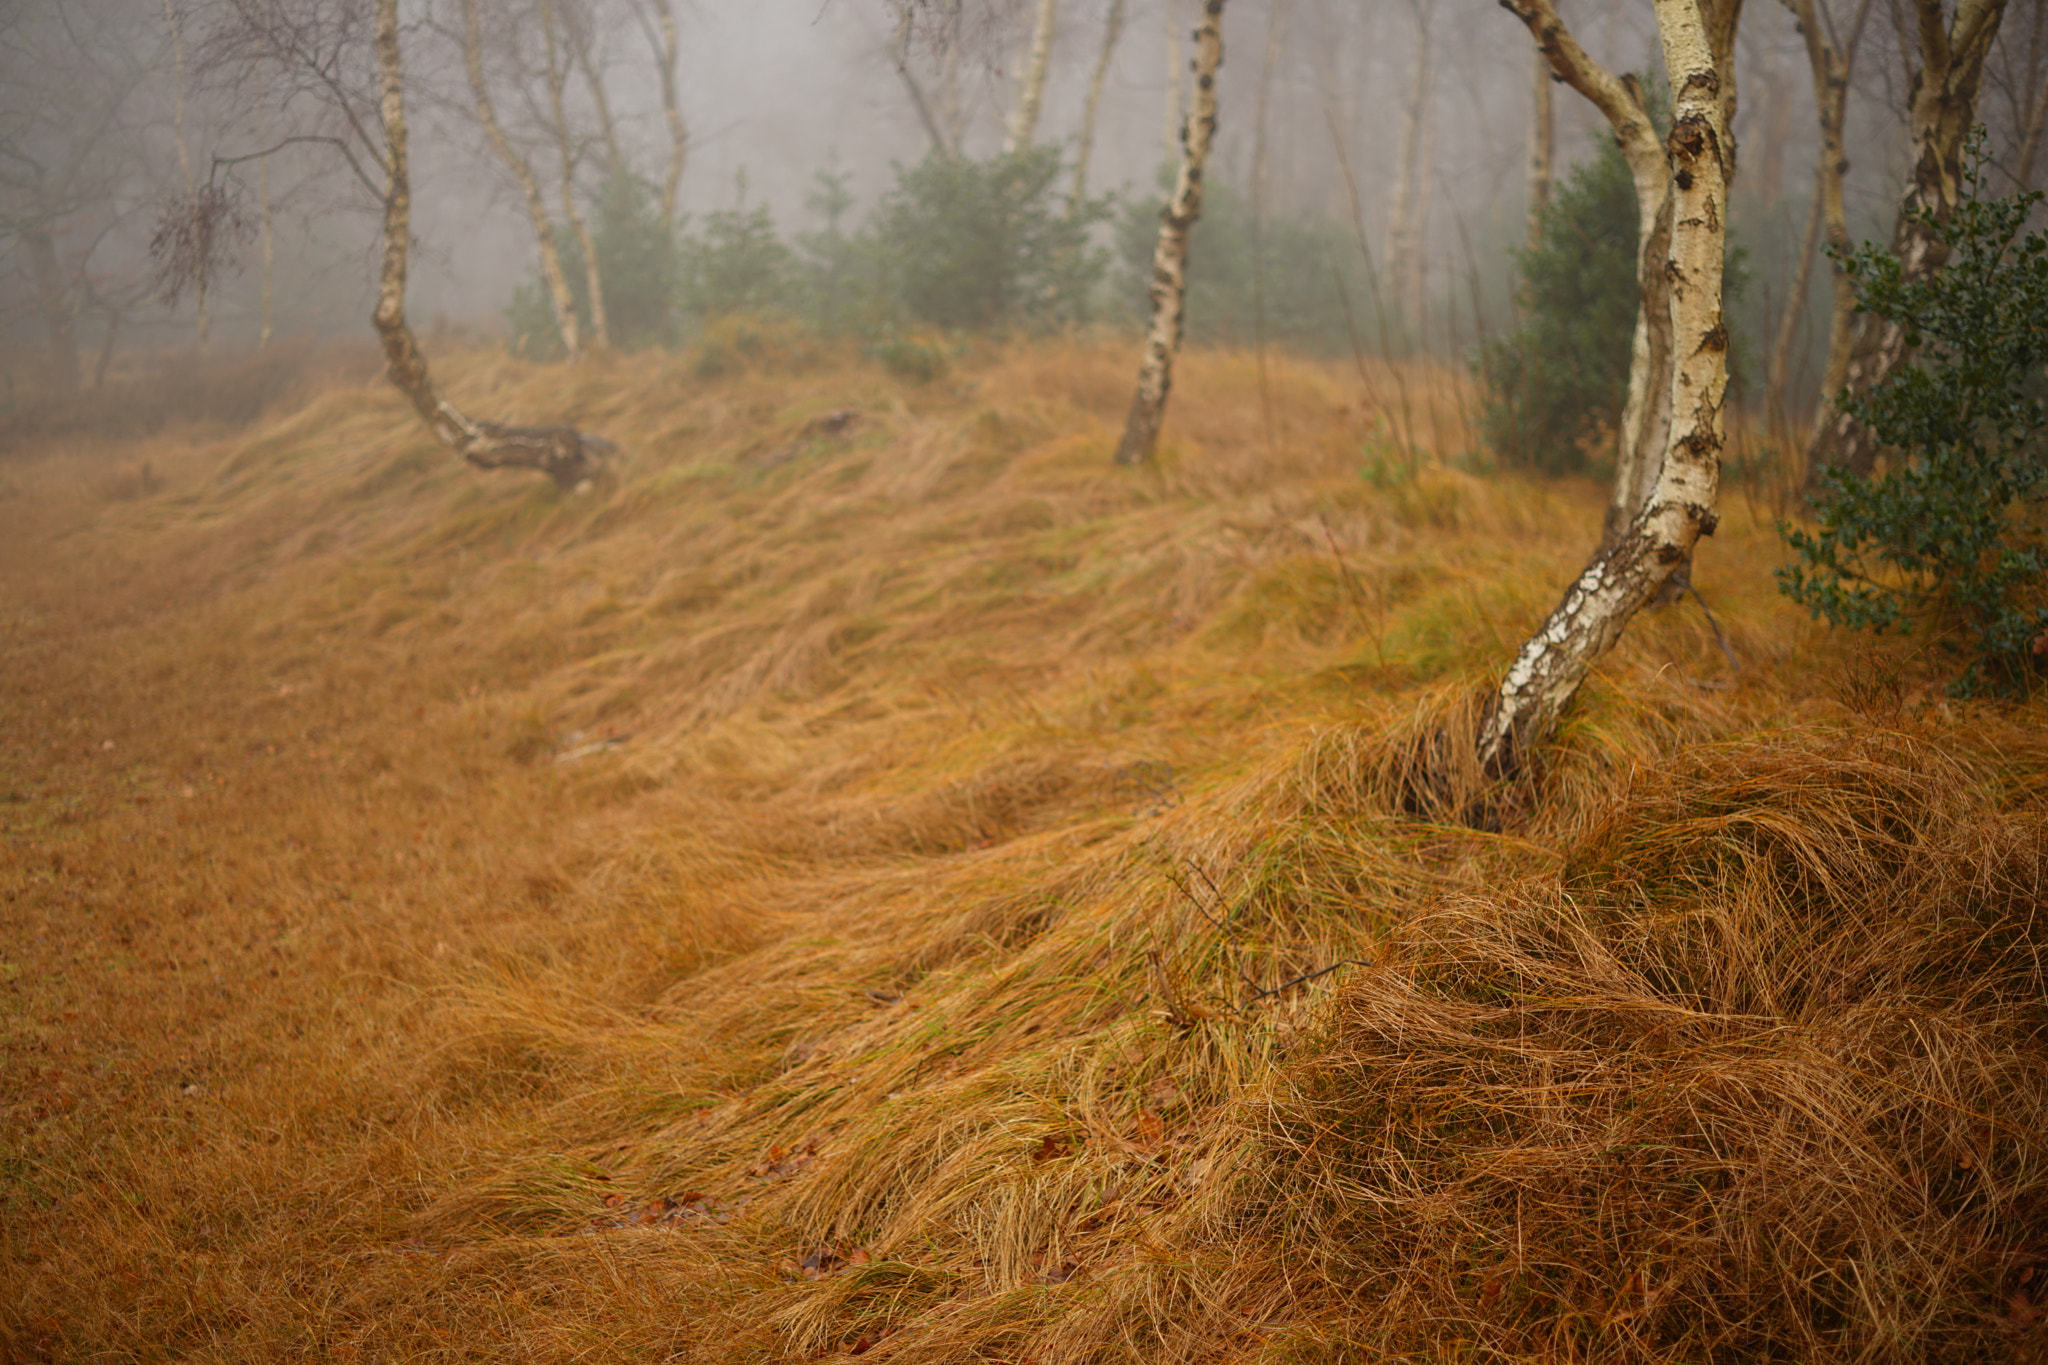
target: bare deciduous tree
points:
(1112, 31)
(1170, 256)
(552, 275)
(1679, 506)
(1031, 83)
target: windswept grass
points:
(902, 887)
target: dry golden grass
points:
(833, 893)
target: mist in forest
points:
(1385, 147)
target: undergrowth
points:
(893, 885)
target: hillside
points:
(872, 878)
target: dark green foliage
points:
(636, 262)
(736, 265)
(1556, 382)
(1297, 281)
(1952, 533)
(987, 244)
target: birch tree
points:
(1112, 31)
(1830, 58)
(1408, 205)
(1170, 257)
(1646, 414)
(657, 19)
(1679, 508)
(556, 280)
(565, 148)
(1031, 89)
(1951, 56)
(360, 78)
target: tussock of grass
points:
(907, 888)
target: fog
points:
(99, 95)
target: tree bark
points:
(1111, 32)
(1170, 257)
(1169, 139)
(575, 29)
(1404, 232)
(566, 455)
(593, 276)
(668, 49)
(1627, 574)
(1830, 64)
(1944, 108)
(1031, 93)
(54, 301)
(551, 272)
(1542, 149)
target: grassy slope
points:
(885, 986)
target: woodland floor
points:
(824, 891)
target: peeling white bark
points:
(565, 147)
(1681, 504)
(1170, 257)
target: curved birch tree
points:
(1679, 503)
(1170, 257)
(1646, 414)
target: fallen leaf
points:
(1151, 1128)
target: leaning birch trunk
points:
(1031, 94)
(1944, 109)
(551, 272)
(1111, 32)
(1542, 149)
(568, 456)
(1170, 257)
(202, 327)
(593, 278)
(1626, 575)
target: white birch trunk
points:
(1031, 93)
(560, 298)
(1170, 257)
(593, 277)
(1112, 30)
(668, 51)
(1628, 573)
(568, 456)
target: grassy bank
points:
(893, 884)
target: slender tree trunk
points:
(927, 111)
(1111, 32)
(268, 307)
(53, 300)
(1031, 93)
(1170, 257)
(105, 359)
(1404, 247)
(593, 277)
(575, 28)
(1627, 574)
(1779, 376)
(667, 52)
(1944, 109)
(566, 455)
(552, 275)
(202, 316)
(1830, 65)
(1542, 149)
